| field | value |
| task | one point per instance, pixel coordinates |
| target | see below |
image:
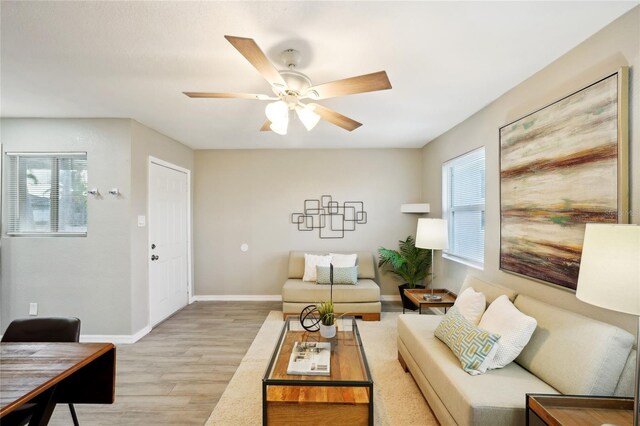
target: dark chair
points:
(41, 330)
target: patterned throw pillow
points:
(340, 275)
(474, 347)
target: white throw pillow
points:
(514, 327)
(343, 260)
(310, 263)
(471, 304)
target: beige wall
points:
(616, 45)
(75, 276)
(146, 142)
(101, 279)
(247, 196)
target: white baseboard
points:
(390, 298)
(237, 298)
(115, 338)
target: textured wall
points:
(247, 196)
(88, 278)
(616, 45)
(146, 142)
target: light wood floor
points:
(176, 374)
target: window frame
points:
(448, 210)
(55, 188)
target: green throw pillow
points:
(474, 347)
(347, 275)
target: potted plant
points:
(410, 263)
(327, 320)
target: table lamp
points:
(432, 234)
(610, 275)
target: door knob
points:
(154, 257)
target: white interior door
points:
(168, 241)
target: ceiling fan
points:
(291, 88)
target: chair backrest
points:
(43, 330)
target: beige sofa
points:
(568, 354)
(362, 299)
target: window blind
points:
(46, 193)
(464, 199)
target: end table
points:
(415, 295)
(577, 410)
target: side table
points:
(576, 410)
(415, 295)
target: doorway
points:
(169, 242)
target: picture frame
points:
(562, 166)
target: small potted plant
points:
(410, 263)
(327, 320)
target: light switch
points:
(33, 309)
(142, 221)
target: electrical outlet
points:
(142, 221)
(33, 309)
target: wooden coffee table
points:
(415, 295)
(344, 397)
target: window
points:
(463, 184)
(46, 193)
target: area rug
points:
(397, 399)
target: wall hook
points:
(114, 191)
(95, 192)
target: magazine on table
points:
(310, 359)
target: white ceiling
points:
(445, 60)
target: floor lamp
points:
(432, 234)
(610, 276)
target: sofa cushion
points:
(366, 265)
(627, 378)
(296, 290)
(348, 275)
(491, 291)
(574, 354)
(473, 346)
(514, 327)
(496, 397)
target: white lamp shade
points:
(280, 127)
(432, 234)
(609, 274)
(308, 118)
(277, 111)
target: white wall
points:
(247, 196)
(616, 45)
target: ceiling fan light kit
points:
(291, 87)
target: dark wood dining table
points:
(50, 373)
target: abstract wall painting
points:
(561, 167)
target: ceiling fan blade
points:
(335, 118)
(250, 50)
(351, 86)
(227, 95)
(265, 126)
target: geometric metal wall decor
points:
(329, 217)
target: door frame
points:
(159, 162)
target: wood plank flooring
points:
(176, 374)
